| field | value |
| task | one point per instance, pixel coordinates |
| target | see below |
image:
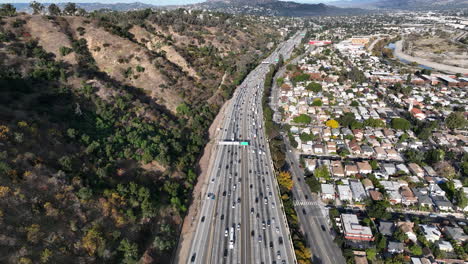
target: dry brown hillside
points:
(103, 118)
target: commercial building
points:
(353, 230)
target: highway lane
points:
(235, 170)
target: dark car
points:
(252, 233)
(224, 193)
(225, 252)
(280, 240)
(304, 211)
(323, 227)
(203, 219)
(193, 257)
(222, 217)
(271, 244)
(306, 197)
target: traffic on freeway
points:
(241, 219)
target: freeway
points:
(241, 218)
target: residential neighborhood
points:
(385, 146)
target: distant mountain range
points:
(275, 8)
(281, 8)
(402, 4)
(24, 7)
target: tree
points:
(36, 7)
(400, 235)
(347, 119)
(381, 242)
(285, 180)
(332, 123)
(129, 250)
(314, 87)
(400, 124)
(371, 254)
(317, 102)
(354, 104)
(303, 118)
(374, 164)
(7, 10)
(54, 10)
(462, 201)
(313, 183)
(306, 137)
(416, 250)
(371, 122)
(434, 156)
(70, 9)
(456, 120)
(444, 169)
(322, 172)
(378, 209)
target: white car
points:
(277, 229)
(226, 232)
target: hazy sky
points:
(154, 2)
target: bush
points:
(140, 68)
(303, 118)
(400, 124)
(64, 51)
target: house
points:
(318, 149)
(442, 203)
(394, 197)
(352, 230)
(416, 170)
(456, 233)
(338, 171)
(360, 260)
(386, 228)
(389, 168)
(445, 246)
(423, 198)
(368, 185)
(328, 192)
(435, 190)
(431, 232)
(364, 167)
(393, 154)
(407, 196)
(310, 164)
(407, 228)
(395, 247)
(358, 191)
(380, 153)
(388, 133)
(367, 150)
(358, 135)
(430, 171)
(375, 195)
(351, 170)
(344, 192)
(420, 261)
(354, 147)
(417, 113)
(402, 167)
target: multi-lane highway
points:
(241, 218)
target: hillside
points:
(103, 118)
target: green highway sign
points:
(244, 143)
